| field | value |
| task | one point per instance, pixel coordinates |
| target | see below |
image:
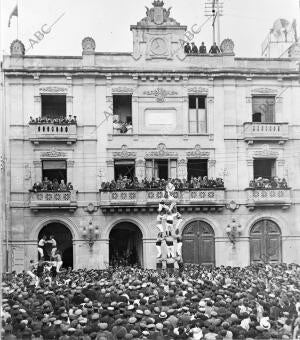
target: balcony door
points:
(265, 242)
(56, 169)
(198, 243)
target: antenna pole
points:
(214, 9)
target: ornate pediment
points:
(53, 153)
(53, 89)
(198, 152)
(264, 90)
(265, 151)
(160, 94)
(124, 153)
(161, 151)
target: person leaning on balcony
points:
(69, 186)
(62, 185)
(187, 48)
(55, 185)
(194, 48)
(202, 48)
(214, 49)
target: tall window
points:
(124, 168)
(264, 167)
(54, 170)
(197, 114)
(54, 106)
(263, 109)
(161, 168)
(196, 168)
(122, 107)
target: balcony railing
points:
(211, 198)
(53, 200)
(266, 131)
(47, 132)
(268, 197)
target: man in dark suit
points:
(214, 49)
(194, 48)
(202, 48)
(187, 48)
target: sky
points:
(246, 22)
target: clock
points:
(158, 46)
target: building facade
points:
(153, 112)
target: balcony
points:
(268, 198)
(50, 200)
(277, 132)
(48, 132)
(148, 200)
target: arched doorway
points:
(265, 242)
(64, 240)
(198, 243)
(125, 245)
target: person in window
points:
(46, 184)
(187, 48)
(123, 128)
(214, 49)
(55, 185)
(202, 48)
(38, 186)
(194, 48)
(62, 186)
(69, 186)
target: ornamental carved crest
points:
(124, 153)
(197, 152)
(53, 89)
(17, 48)
(161, 151)
(160, 94)
(265, 151)
(53, 153)
(158, 15)
(88, 44)
(227, 46)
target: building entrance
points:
(64, 239)
(125, 245)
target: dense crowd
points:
(193, 49)
(261, 301)
(269, 183)
(126, 183)
(61, 120)
(55, 185)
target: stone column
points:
(69, 103)
(182, 168)
(149, 253)
(212, 168)
(37, 171)
(140, 169)
(135, 115)
(110, 170)
(250, 170)
(280, 171)
(210, 117)
(70, 166)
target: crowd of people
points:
(268, 183)
(261, 301)
(61, 120)
(126, 183)
(193, 49)
(55, 185)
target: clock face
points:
(158, 46)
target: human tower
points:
(169, 240)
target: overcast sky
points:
(247, 22)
